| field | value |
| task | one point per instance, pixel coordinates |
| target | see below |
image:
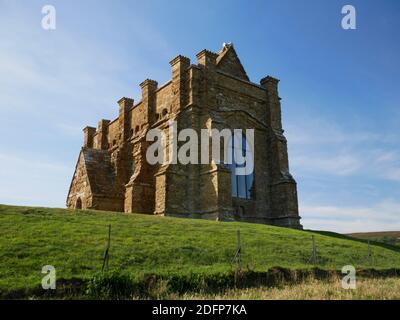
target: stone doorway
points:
(78, 204)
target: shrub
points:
(110, 285)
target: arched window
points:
(242, 173)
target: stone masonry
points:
(112, 172)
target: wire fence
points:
(101, 246)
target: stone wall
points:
(80, 188)
(214, 93)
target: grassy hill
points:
(388, 237)
(74, 243)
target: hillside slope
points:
(388, 237)
(74, 243)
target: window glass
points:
(241, 181)
(242, 185)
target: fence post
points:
(106, 254)
(237, 257)
(314, 251)
(369, 252)
(239, 249)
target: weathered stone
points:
(112, 172)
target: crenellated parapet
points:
(207, 58)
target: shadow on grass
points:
(117, 285)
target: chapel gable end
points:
(229, 62)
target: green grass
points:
(74, 243)
(387, 237)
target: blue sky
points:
(339, 88)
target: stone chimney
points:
(179, 66)
(274, 103)
(207, 59)
(149, 88)
(102, 132)
(88, 134)
(125, 105)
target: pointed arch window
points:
(242, 184)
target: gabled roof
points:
(99, 171)
(229, 62)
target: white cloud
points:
(49, 72)
(382, 216)
(343, 164)
(318, 146)
(55, 83)
(307, 131)
(323, 154)
(28, 179)
(353, 226)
